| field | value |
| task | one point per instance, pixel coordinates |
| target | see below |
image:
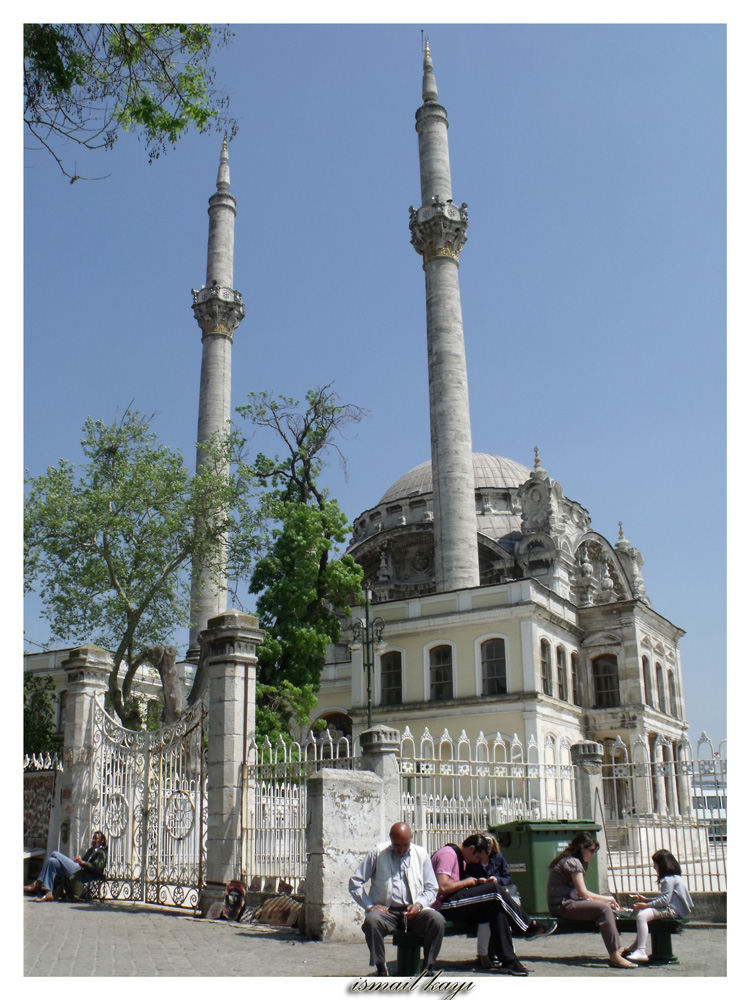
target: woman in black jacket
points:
(83, 869)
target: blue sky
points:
(592, 159)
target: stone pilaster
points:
(87, 671)
(231, 641)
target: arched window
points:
(661, 702)
(390, 678)
(546, 668)
(648, 693)
(606, 681)
(441, 673)
(338, 724)
(672, 694)
(575, 680)
(562, 678)
(494, 676)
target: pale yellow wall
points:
(522, 614)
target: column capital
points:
(232, 635)
(588, 755)
(380, 739)
(88, 665)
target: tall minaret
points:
(219, 310)
(438, 231)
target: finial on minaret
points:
(429, 87)
(537, 463)
(222, 180)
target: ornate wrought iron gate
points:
(148, 795)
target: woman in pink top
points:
(482, 900)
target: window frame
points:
(609, 696)
(481, 679)
(395, 651)
(428, 665)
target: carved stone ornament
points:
(439, 229)
(218, 310)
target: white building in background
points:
(147, 685)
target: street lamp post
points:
(369, 633)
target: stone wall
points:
(38, 800)
(710, 908)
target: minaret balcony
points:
(439, 229)
(218, 310)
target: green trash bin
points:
(530, 845)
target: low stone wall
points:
(710, 907)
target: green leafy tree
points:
(85, 82)
(110, 548)
(303, 588)
(39, 701)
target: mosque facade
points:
(502, 610)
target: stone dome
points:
(490, 472)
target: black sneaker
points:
(514, 968)
(540, 928)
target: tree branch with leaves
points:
(85, 82)
(303, 588)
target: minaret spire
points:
(438, 231)
(219, 310)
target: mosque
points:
(494, 607)
(497, 607)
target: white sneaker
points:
(639, 955)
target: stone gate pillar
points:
(587, 760)
(231, 640)
(87, 672)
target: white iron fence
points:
(274, 807)
(452, 788)
(664, 798)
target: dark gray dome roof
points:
(490, 472)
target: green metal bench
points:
(661, 934)
(409, 945)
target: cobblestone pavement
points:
(125, 939)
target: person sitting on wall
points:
(497, 868)
(479, 900)
(402, 889)
(569, 897)
(77, 871)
